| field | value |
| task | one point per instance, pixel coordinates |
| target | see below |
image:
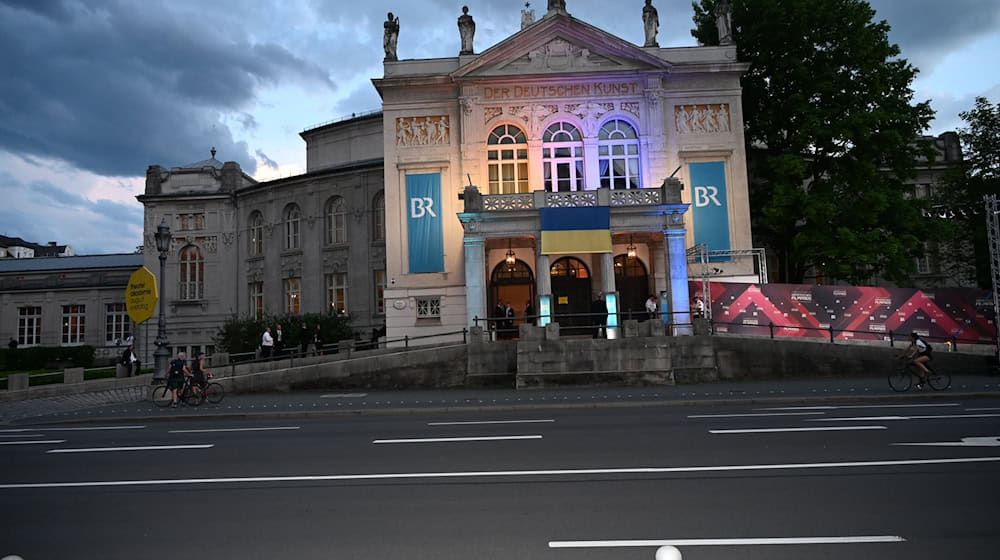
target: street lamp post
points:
(162, 354)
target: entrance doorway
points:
(514, 284)
(571, 295)
(632, 282)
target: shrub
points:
(239, 335)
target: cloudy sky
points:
(94, 91)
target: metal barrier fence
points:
(832, 334)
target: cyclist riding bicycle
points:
(919, 354)
(176, 377)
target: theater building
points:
(560, 165)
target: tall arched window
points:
(618, 154)
(378, 217)
(292, 223)
(507, 158)
(255, 241)
(191, 280)
(562, 157)
(336, 221)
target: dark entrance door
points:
(513, 284)
(632, 283)
(571, 295)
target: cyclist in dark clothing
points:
(175, 379)
(198, 372)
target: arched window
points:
(378, 217)
(507, 158)
(568, 267)
(255, 241)
(618, 155)
(191, 281)
(292, 223)
(336, 221)
(562, 158)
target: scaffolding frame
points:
(993, 240)
(699, 253)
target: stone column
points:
(677, 280)
(474, 251)
(607, 273)
(543, 278)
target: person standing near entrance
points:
(651, 306)
(499, 316)
(279, 342)
(599, 314)
(529, 313)
(508, 323)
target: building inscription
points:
(562, 90)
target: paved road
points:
(91, 408)
(865, 478)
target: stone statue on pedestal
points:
(391, 26)
(556, 7)
(466, 29)
(650, 23)
(724, 21)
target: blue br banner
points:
(711, 212)
(423, 222)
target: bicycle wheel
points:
(160, 396)
(192, 396)
(214, 393)
(900, 380)
(939, 381)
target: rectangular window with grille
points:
(29, 326)
(428, 308)
(336, 293)
(74, 324)
(117, 325)
(293, 294)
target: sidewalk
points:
(309, 403)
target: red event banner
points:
(853, 312)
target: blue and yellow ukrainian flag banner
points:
(576, 230)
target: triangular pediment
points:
(559, 43)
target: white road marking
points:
(983, 409)
(988, 441)
(233, 430)
(18, 430)
(142, 448)
(22, 435)
(92, 428)
(864, 539)
(753, 414)
(32, 442)
(507, 474)
(488, 422)
(817, 429)
(343, 396)
(832, 407)
(885, 418)
(440, 440)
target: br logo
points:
(703, 196)
(420, 206)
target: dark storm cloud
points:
(268, 162)
(111, 88)
(928, 30)
(88, 226)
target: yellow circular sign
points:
(141, 295)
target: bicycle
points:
(212, 390)
(902, 378)
(188, 394)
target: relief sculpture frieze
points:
(423, 131)
(702, 119)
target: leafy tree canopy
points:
(831, 132)
(239, 335)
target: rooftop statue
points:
(557, 7)
(391, 26)
(650, 23)
(467, 29)
(724, 21)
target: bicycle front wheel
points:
(939, 381)
(161, 396)
(900, 380)
(214, 393)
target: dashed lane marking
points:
(769, 541)
(777, 430)
(455, 439)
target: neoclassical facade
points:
(423, 217)
(480, 147)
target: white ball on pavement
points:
(668, 553)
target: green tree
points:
(831, 132)
(960, 201)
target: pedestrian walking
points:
(651, 306)
(266, 344)
(279, 341)
(304, 339)
(317, 341)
